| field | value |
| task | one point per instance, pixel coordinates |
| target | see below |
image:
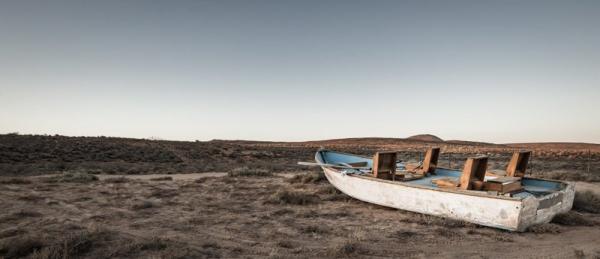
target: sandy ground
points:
(214, 215)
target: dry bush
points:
(143, 204)
(314, 229)
(328, 190)
(120, 179)
(348, 248)
(433, 220)
(285, 244)
(72, 177)
(573, 218)
(249, 172)
(587, 201)
(11, 232)
(579, 253)
(163, 193)
(448, 233)
(20, 215)
(404, 235)
(15, 180)
(72, 245)
(333, 194)
(20, 246)
(545, 228)
(564, 175)
(30, 197)
(154, 244)
(164, 178)
(294, 198)
(503, 238)
(312, 177)
(204, 179)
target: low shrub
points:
(349, 248)
(294, 198)
(545, 228)
(312, 177)
(15, 180)
(144, 204)
(433, 220)
(69, 177)
(249, 172)
(164, 178)
(314, 229)
(20, 246)
(117, 180)
(587, 201)
(569, 176)
(572, 218)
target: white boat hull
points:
(495, 211)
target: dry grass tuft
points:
(164, 178)
(573, 218)
(579, 253)
(15, 180)
(564, 175)
(249, 172)
(120, 179)
(448, 232)
(348, 248)
(404, 235)
(545, 228)
(587, 201)
(294, 198)
(285, 244)
(312, 177)
(11, 232)
(20, 215)
(314, 229)
(433, 220)
(154, 244)
(20, 246)
(333, 194)
(503, 238)
(77, 177)
(72, 245)
(143, 204)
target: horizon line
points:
(156, 138)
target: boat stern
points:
(539, 210)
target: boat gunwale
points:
(564, 185)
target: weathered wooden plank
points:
(474, 170)
(384, 165)
(518, 164)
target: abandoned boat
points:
(511, 201)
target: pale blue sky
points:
(501, 71)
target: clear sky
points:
(501, 71)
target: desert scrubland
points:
(98, 197)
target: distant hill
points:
(426, 137)
(557, 145)
(42, 154)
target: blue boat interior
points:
(531, 186)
